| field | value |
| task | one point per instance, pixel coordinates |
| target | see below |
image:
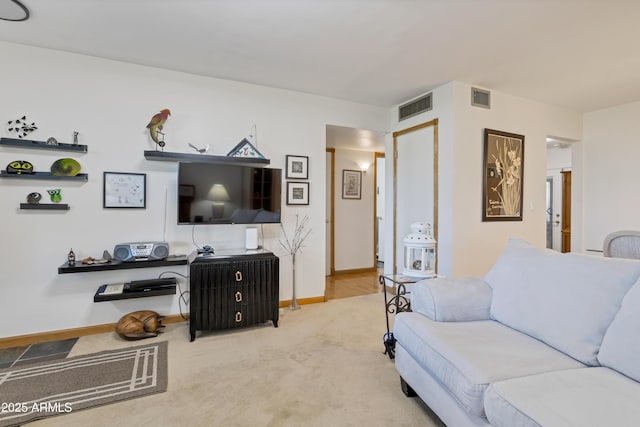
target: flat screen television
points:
(228, 194)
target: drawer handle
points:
(238, 296)
(238, 276)
(238, 317)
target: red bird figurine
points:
(155, 126)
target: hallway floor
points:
(353, 284)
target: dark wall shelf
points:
(41, 145)
(118, 265)
(204, 158)
(44, 175)
(169, 290)
(45, 206)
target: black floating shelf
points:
(204, 158)
(41, 145)
(169, 290)
(44, 175)
(119, 265)
(45, 206)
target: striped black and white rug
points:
(58, 387)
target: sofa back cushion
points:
(621, 344)
(564, 300)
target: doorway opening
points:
(549, 205)
(353, 230)
(558, 194)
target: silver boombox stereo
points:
(141, 251)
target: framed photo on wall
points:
(297, 167)
(351, 184)
(297, 193)
(124, 190)
(503, 171)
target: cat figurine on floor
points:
(140, 324)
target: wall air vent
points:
(480, 98)
(415, 107)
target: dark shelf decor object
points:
(119, 265)
(203, 158)
(44, 175)
(45, 206)
(41, 145)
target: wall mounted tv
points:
(228, 194)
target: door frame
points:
(332, 215)
(434, 124)
(565, 231)
(376, 155)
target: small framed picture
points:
(351, 184)
(185, 190)
(297, 193)
(124, 190)
(297, 167)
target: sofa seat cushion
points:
(577, 397)
(467, 356)
(566, 300)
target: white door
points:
(415, 200)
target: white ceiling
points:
(579, 54)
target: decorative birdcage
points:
(420, 251)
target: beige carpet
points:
(323, 366)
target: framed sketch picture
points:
(297, 167)
(297, 193)
(351, 184)
(503, 168)
(124, 190)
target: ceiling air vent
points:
(415, 107)
(480, 98)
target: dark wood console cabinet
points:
(233, 291)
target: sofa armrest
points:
(452, 300)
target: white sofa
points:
(544, 339)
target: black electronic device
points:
(141, 285)
(228, 194)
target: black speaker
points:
(141, 251)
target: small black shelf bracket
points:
(120, 265)
(41, 145)
(45, 175)
(45, 206)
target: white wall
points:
(477, 244)
(466, 245)
(110, 103)
(611, 174)
(354, 218)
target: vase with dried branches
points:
(292, 244)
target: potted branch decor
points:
(292, 246)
